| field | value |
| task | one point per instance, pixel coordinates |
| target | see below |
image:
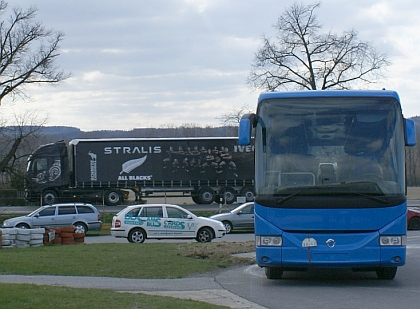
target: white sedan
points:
(138, 222)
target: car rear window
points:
(66, 210)
(85, 210)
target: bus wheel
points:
(386, 273)
(273, 272)
(206, 195)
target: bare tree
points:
(27, 52)
(302, 58)
(233, 116)
(16, 140)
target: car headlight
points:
(275, 241)
(393, 240)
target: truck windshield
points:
(329, 147)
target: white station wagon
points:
(159, 221)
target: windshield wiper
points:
(373, 198)
(335, 190)
(288, 197)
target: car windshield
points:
(35, 211)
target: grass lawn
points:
(151, 260)
(123, 260)
(50, 297)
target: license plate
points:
(309, 242)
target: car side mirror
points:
(189, 217)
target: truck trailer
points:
(207, 169)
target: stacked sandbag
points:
(8, 238)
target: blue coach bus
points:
(329, 180)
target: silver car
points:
(240, 218)
(85, 217)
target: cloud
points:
(151, 63)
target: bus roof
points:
(328, 93)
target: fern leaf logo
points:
(130, 165)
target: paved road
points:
(234, 237)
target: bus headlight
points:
(268, 241)
(393, 240)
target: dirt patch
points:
(222, 252)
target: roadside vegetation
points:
(50, 297)
(139, 261)
(125, 260)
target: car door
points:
(66, 215)
(245, 218)
(45, 217)
(178, 223)
(153, 221)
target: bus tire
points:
(386, 273)
(273, 272)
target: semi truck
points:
(94, 170)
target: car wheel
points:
(228, 226)
(386, 273)
(80, 227)
(136, 236)
(206, 195)
(204, 235)
(113, 198)
(23, 226)
(414, 224)
(49, 197)
(273, 272)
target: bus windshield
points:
(329, 147)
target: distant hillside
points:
(55, 133)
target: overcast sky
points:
(154, 63)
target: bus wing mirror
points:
(245, 127)
(410, 132)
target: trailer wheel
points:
(195, 198)
(248, 193)
(113, 198)
(206, 195)
(227, 193)
(49, 197)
